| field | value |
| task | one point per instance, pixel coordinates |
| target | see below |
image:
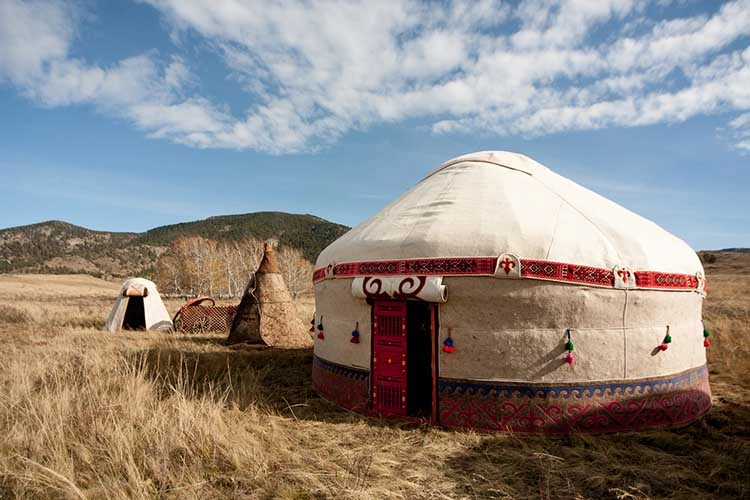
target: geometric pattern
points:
(196, 318)
(348, 387)
(548, 408)
(461, 265)
(319, 274)
(567, 408)
(486, 266)
(651, 279)
(558, 271)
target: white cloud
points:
(318, 69)
(35, 42)
(740, 132)
(31, 34)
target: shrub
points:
(10, 314)
(709, 258)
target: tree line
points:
(195, 266)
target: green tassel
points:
(668, 339)
(569, 345)
(706, 333)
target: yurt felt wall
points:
(138, 306)
(266, 313)
(529, 261)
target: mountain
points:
(60, 247)
(308, 233)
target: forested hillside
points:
(59, 247)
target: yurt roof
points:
(138, 281)
(495, 202)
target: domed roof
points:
(496, 202)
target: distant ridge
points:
(60, 247)
(739, 250)
(307, 232)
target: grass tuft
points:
(87, 414)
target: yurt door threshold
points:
(404, 371)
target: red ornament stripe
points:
(653, 279)
(558, 271)
(659, 402)
(627, 406)
(423, 267)
(485, 266)
(319, 275)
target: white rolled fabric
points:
(426, 288)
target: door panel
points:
(389, 358)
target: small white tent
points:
(138, 307)
(462, 301)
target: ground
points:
(85, 414)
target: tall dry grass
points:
(85, 414)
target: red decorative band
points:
(485, 266)
(567, 408)
(348, 387)
(423, 267)
(319, 275)
(550, 408)
(653, 279)
(558, 271)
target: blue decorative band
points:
(345, 371)
(547, 408)
(576, 390)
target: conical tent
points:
(138, 307)
(496, 294)
(266, 314)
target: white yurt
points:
(138, 306)
(496, 294)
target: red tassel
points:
(321, 336)
(706, 343)
(354, 340)
(664, 346)
(312, 329)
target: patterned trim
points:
(653, 279)
(486, 266)
(424, 267)
(319, 274)
(348, 387)
(565, 408)
(559, 408)
(557, 271)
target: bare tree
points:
(201, 266)
(170, 274)
(297, 270)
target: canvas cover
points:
(564, 311)
(267, 314)
(493, 202)
(155, 315)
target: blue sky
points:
(124, 115)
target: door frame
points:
(434, 325)
(434, 355)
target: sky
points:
(125, 115)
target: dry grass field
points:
(89, 415)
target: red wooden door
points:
(389, 358)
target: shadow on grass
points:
(201, 339)
(275, 379)
(708, 459)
